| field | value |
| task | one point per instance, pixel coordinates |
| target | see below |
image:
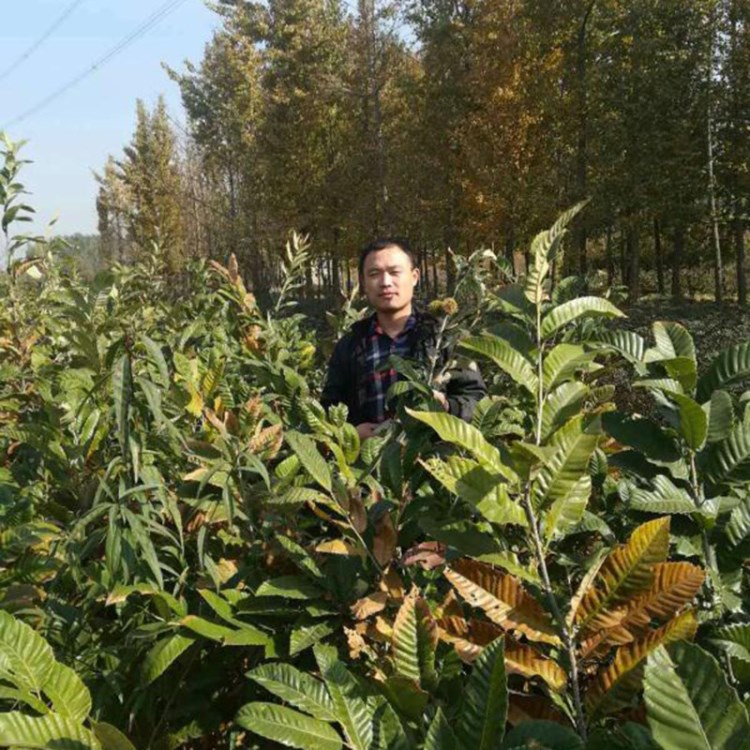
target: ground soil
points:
(713, 327)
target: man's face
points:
(389, 279)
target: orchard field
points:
(194, 554)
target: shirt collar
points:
(411, 321)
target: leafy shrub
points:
(185, 530)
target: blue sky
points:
(73, 136)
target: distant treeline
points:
(456, 123)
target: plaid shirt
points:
(379, 346)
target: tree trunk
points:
(678, 253)
(739, 251)
(610, 261)
(624, 249)
(718, 263)
(581, 154)
(634, 278)
(659, 257)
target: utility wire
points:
(167, 8)
(42, 39)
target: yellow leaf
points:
(384, 544)
(469, 638)
(627, 571)
(392, 584)
(615, 686)
(338, 547)
(267, 439)
(369, 605)
(196, 475)
(528, 662)
(195, 405)
(502, 598)
(675, 584)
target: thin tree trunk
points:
(718, 263)
(678, 252)
(610, 261)
(634, 278)
(659, 257)
(424, 277)
(582, 155)
(739, 251)
(624, 249)
(435, 281)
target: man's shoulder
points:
(359, 329)
(356, 331)
(426, 325)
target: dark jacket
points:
(347, 370)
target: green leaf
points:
(738, 527)
(562, 361)
(111, 738)
(566, 512)
(564, 470)
(480, 488)
(729, 460)
(289, 587)
(247, 635)
(406, 696)
(542, 735)
(162, 655)
(665, 498)
(69, 696)
(689, 704)
(18, 730)
(26, 659)
(388, 732)
(206, 628)
(561, 405)
(734, 640)
(308, 633)
(288, 727)
(505, 357)
(630, 345)
(543, 248)
(693, 420)
(568, 312)
(683, 370)
(307, 452)
(627, 736)
(466, 436)
(672, 341)
(440, 735)
(122, 394)
(642, 434)
(157, 357)
(415, 641)
(481, 723)
(731, 365)
(297, 688)
(351, 710)
(720, 416)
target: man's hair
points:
(381, 244)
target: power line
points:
(42, 39)
(167, 8)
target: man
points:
(356, 373)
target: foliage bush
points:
(193, 553)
